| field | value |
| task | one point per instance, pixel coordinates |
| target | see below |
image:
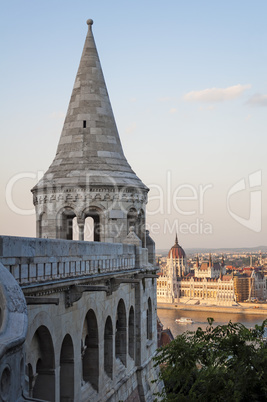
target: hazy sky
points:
(188, 86)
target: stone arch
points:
(108, 347)
(121, 329)
(149, 319)
(65, 223)
(67, 370)
(90, 350)
(96, 214)
(131, 333)
(43, 381)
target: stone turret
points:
(90, 176)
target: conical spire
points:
(176, 239)
(210, 261)
(89, 150)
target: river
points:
(167, 317)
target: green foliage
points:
(223, 363)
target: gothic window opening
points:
(131, 333)
(90, 350)
(67, 370)
(93, 224)
(84, 124)
(89, 229)
(120, 338)
(44, 385)
(67, 227)
(108, 348)
(75, 229)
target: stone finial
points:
(89, 22)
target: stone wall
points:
(92, 329)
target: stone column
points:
(80, 223)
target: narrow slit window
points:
(84, 124)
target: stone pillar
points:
(80, 223)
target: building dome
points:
(176, 251)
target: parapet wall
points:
(34, 260)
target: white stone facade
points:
(90, 176)
(208, 285)
(92, 326)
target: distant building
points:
(249, 285)
(209, 283)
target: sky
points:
(188, 87)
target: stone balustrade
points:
(32, 260)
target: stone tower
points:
(90, 176)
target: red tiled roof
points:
(176, 251)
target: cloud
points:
(173, 110)
(216, 94)
(258, 100)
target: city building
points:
(250, 285)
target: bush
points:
(223, 363)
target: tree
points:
(223, 363)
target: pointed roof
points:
(210, 261)
(89, 149)
(197, 262)
(176, 251)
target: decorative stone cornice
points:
(83, 195)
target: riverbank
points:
(241, 308)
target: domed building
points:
(208, 285)
(176, 262)
(176, 268)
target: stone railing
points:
(32, 260)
